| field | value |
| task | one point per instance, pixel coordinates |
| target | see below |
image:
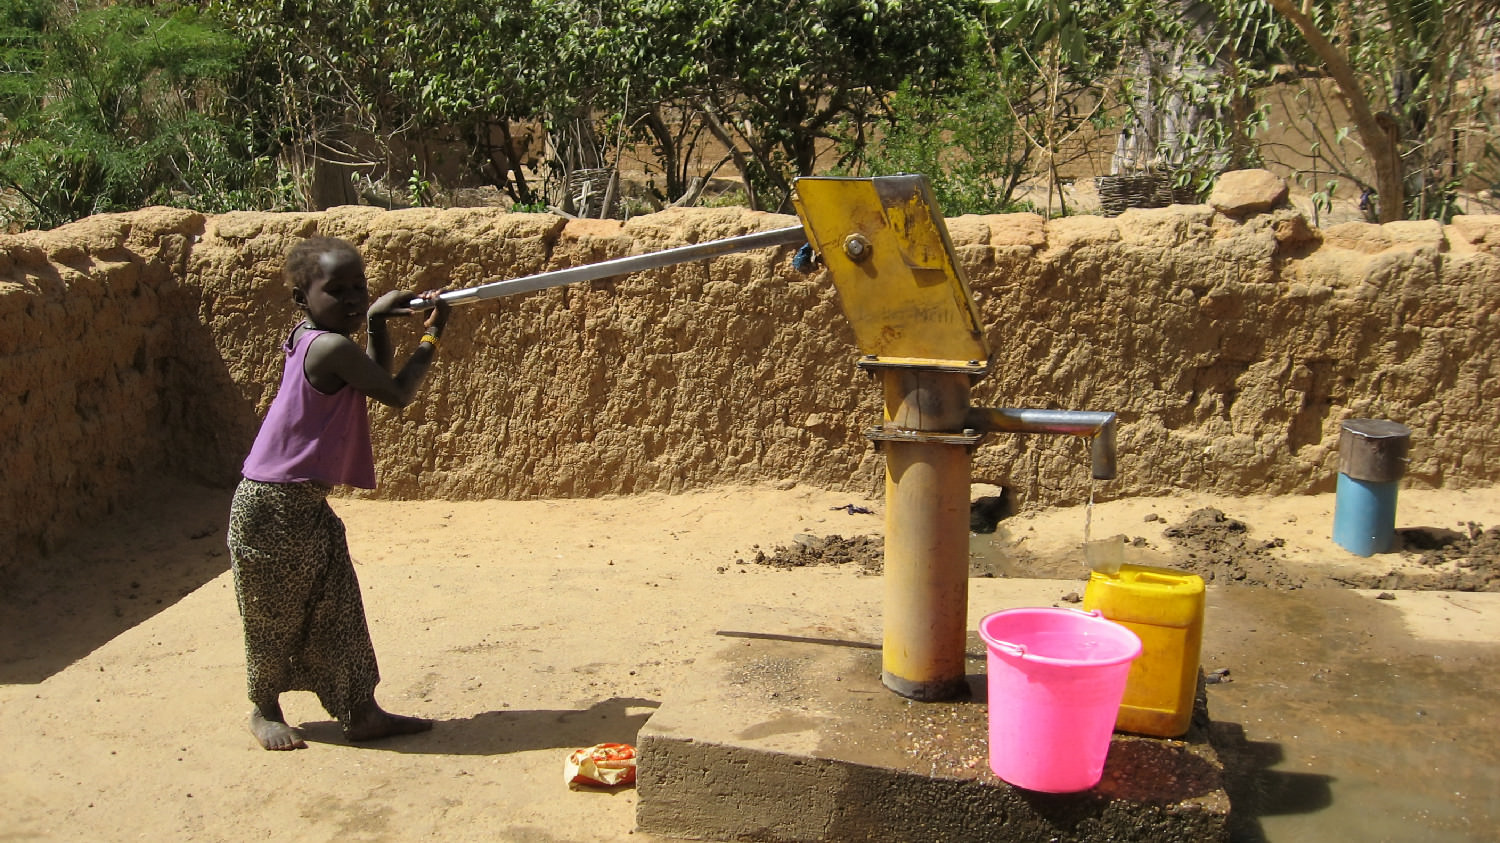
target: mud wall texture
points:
(142, 348)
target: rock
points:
(1240, 193)
(1481, 232)
(1290, 227)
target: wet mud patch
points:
(1221, 550)
(1441, 560)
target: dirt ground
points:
(1223, 550)
(527, 629)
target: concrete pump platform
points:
(787, 734)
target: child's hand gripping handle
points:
(405, 303)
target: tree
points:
(1188, 91)
(317, 90)
(652, 67)
(112, 108)
(388, 93)
(965, 140)
(1070, 52)
(1408, 72)
(305, 84)
(483, 72)
(782, 89)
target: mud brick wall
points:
(142, 348)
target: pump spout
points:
(1102, 449)
(1098, 426)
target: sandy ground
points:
(525, 629)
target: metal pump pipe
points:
(619, 266)
(928, 433)
(926, 588)
(1098, 426)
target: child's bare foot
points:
(270, 728)
(371, 722)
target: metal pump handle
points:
(619, 266)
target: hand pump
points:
(888, 252)
(916, 324)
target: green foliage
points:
(1424, 65)
(647, 67)
(772, 87)
(728, 199)
(1086, 36)
(271, 103)
(1416, 89)
(112, 108)
(22, 52)
(387, 89)
(1195, 67)
(782, 83)
(965, 141)
(1058, 60)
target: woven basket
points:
(1147, 190)
(587, 189)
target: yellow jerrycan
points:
(1165, 608)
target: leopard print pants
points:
(298, 596)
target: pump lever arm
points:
(619, 266)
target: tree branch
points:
(1380, 136)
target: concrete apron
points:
(787, 734)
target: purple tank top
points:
(312, 436)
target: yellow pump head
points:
(891, 259)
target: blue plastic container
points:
(1372, 460)
(1364, 516)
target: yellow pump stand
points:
(889, 254)
(926, 533)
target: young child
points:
(298, 596)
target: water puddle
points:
(1338, 726)
(999, 554)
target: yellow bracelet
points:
(430, 337)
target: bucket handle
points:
(1015, 650)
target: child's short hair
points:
(303, 263)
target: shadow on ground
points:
(1256, 790)
(58, 608)
(616, 720)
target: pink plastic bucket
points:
(1056, 678)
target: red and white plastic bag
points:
(606, 764)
